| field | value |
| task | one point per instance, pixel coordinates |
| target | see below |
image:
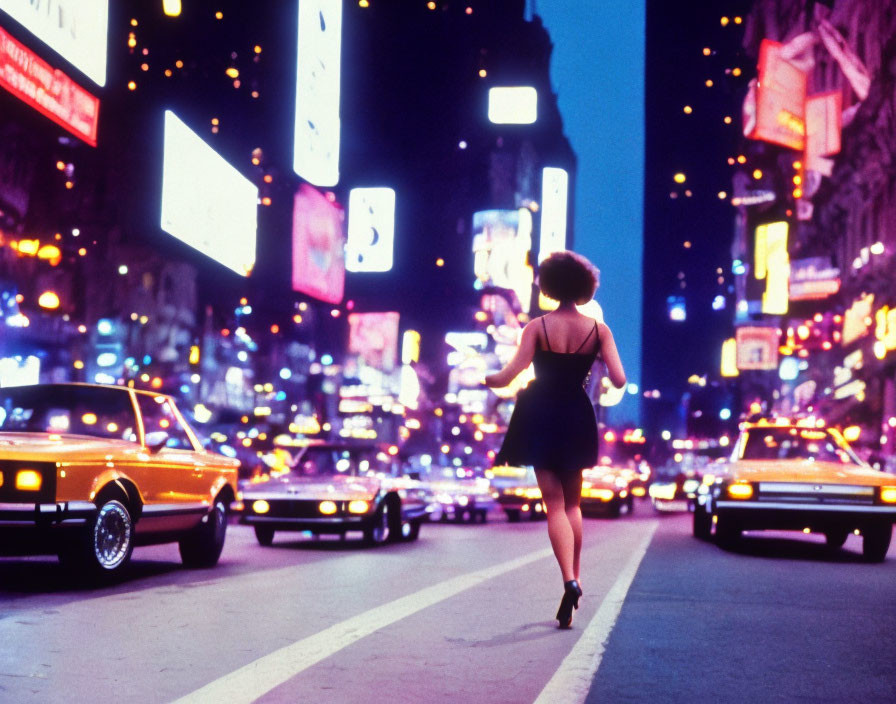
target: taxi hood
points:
(53, 447)
(807, 471)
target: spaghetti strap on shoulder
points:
(545, 328)
(594, 329)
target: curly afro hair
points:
(566, 276)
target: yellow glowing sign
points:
(772, 263)
(885, 330)
(410, 347)
(856, 319)
(729, 358)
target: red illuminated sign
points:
(757, 348)
(374, 338)
(47, 90)
(318, 246)
(775, 108)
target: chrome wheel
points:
(112, 533)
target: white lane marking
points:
(573, 679)
(261, 676)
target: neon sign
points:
(49, 91)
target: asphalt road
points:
(466, 613)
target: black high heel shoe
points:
(571, 593)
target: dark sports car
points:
(334, 489)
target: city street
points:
(464, 613)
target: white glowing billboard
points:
(501, 243)
(75, 29)
(554, 197)
(512, 105)
(206, 202)
(371, 229)
(316, 147)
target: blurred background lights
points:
(48, 300)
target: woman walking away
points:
(553, 427)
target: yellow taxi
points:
(517, 493)
(605, 490)
(786, 475)
(89, 471)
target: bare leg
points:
(572, 494)
(566, 539)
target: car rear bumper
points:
(791, 516)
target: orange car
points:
(790, 476)
(89, 471)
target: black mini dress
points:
(553, 425)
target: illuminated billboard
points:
(813, 278)
(371, 229)
(773, 264)
(757, 348)
(729, 358)
(857, 319)
(318, 246)
(49, 91)
(75, 29)
(775, 106)
(374, 338)
(554, 199)
(206, 202)
(512, 105)
(501, 243)
(823, 125)
(316, 145)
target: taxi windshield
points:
(62, 409)
(787, 443)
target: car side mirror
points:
(156, 440)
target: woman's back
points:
(569, 332)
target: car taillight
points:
(740, 490)
(28, 480)
(888, 494)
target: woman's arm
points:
(611, 356)
(521, 359)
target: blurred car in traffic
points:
(605, 491)
(674, 490)
(461, 499)
(334, 488)
(676, 483)
(517, 493)
(90, 471)
(786, 475)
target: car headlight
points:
(261, 506)
(28, 480)
(690, 485)
(357, 506)
(328, 508)
(740, 490)
(664, 492)
(888, 494)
